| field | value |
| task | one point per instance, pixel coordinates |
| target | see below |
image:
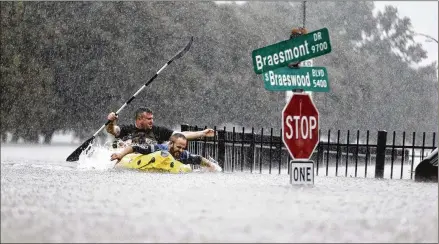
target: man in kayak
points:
(176, 147)
(143, 131)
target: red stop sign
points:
(300, 126)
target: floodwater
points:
(45, 199)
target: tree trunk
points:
(48, 134)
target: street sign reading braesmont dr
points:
(300, 48)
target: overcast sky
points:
(424, 18)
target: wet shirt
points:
(156, 135)
(185, 156)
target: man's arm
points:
(112, 128)
(202, 161)
(191, 135)
(164, 133)
(120, 155)
(144, 149)
(210, 165)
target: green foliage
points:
(66, 65)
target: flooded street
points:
(45, 199)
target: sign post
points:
(306, 63)
(300, 126)
(287, 66)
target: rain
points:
(66, 65)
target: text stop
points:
(300, 126)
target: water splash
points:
(97, 157)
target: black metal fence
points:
(343, 153)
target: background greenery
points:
(66, 65)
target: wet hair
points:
(177, 135)
(142, 110)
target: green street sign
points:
(301, 48)
(313, 79)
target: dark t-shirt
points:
(156, 135)
(185, 156)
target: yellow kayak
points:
(160, 161)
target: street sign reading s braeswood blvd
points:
(300, 48)
(306, 78)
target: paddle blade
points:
(75, 155)
(184, 50)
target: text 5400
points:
(319, 83)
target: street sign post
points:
(300, 126)
(300, 48)
(305, 63)
(300, 117)
(306, 78)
